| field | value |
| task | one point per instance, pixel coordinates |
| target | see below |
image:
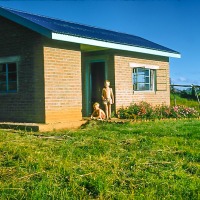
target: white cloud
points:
(184, 81)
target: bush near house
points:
(145, 111)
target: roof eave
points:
(24, 22)
(93, 42)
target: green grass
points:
(143, 160)
(176, 99)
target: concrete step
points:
(42, 127)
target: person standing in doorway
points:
(108, 98)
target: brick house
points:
(52, 70)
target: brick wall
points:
(123, 80)
(27, 105)
(63, 91)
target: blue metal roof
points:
(89, 32)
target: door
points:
(97, 73)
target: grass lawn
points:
(143, 160)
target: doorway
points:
(97, 78)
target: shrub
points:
(144, 110)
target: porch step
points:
(42, 127)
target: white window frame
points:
(152, 76)
(7, 61)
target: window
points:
(143, 79)
(8, 77)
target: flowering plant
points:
(144, 110)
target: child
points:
(98, 113)
(108, 98)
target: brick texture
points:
(123, 80)
(63, 94)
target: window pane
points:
(134, 78)
(141, 86)
(12, 77)
(2, 68)
(146, 79)
(140, 70)
(2, 87)
(146, 72)
(147, 87)
(12, 86)
(140, 79)
(8, 77)
(152, 79)
(143, 79)
(11, 67)
(2, 77)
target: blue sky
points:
(171, 23)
